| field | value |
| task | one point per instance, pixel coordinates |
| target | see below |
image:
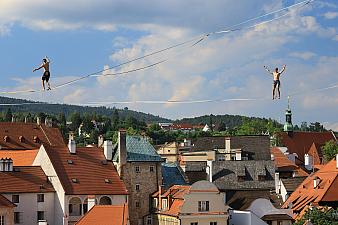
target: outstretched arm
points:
(267, 69)
(283, 69)
(38, 68)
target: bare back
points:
(45, 66)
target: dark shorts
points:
(46, 76)
(276, 83)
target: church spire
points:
(288, 127)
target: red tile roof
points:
(93, 173)
(20, 157)
(283, 163)
(300, 142)
(316, 153)
(105, 215)
(28, 136)
(25, 179)
(4, 202)
(325, 192)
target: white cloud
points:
(303, 55)
(331, 126)
(331, 15)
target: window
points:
(149, 221)
(17, 217)
(194, 223)
(137, 187)
(41, 215)
(2, 220)
(164, 203)
(137, 204)
(137, 169)
(203, 206)
(41, 197)
(151, 168)
(15, 198)
(213, 223)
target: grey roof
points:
(139, 149)
(172, 175)
(291, 184)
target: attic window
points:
(21, 139)
(36, 139)
(107, 181)
(74, 180)
(104, 162)
(69, 161)
(6, 138)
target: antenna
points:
(288, 101)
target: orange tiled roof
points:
(105, 215)
(93, 173)
(325, 192)
(316, 153)
(282, 162)
(4, 202)
(300, 142)
(28, 136)
(25, 179)
(20, 157)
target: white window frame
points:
(137, 187)
(2, 220)
(203, 206)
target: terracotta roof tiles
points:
(25, 179)
(20, 157)
(105, 215)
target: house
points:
(169, 151)
(65, 179)
(305, 146)
(139, 166)
(28, 188)
(6, 211)
(200, 203)
(288, 185)
(106, 215)
(319, 189)
(172, 174)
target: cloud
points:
(331, 15)
(303, 55)
(331, 126)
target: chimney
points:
(238, 154)
(13, 119)
(108, 149)
(308, 161)
(316, 181)
(91, 201)
(122, 147)
(48, 122)
(26, 119)
(100, 141)
(38, 121)
(71, 143)
(337, 161)
(6, 164)
(159, 198)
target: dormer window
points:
(164, 204)
(21, 139)
(75, 180)
(6, 138)
(36, 139)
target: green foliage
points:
(330, 150)
(324, 216)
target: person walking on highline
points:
(46, 74)
(276, 82)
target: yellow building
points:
(199, 204)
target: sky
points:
(85, 36)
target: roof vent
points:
(69, 161)
(21, 139)
(6, 138)
(107, 181)
(74, 180)
(36, 139)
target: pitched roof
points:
(284, 164)
(4, 202)
(106, 215)
(25, 179)
(292, 183)
(20, 157)
(326, 191)
(139, 149)
(316, 152)
(300, 142)
(86, 172)
(28, 136)
(171, 174)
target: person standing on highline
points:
(46, 74)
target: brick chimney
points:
(122, 147)
(71, 143)
(108, 149)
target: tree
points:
(330, 150)
(325, 216)
(8, 115)
(75, 118)
(317, 127)
(115, 120)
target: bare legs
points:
(274, 90)
(43, 84)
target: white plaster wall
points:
(43, 160)
(237, 217)
(283, 191)
(29, 206)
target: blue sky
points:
(82, 37)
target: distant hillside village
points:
(92, 169)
